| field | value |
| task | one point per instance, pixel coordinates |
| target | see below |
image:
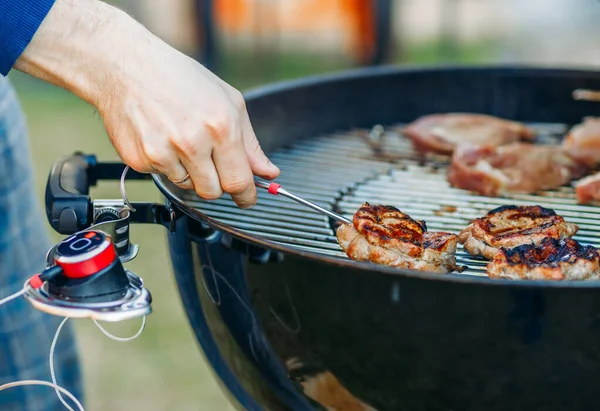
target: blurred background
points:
(249, 43)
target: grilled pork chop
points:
(583, 141)
(511, 226)
(516, 168)
(552, 259)
(587, 189)
(385, 235)
(442, 133)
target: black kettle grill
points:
(288, 322)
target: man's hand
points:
(163, 111)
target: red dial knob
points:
(85, 253)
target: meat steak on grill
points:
(551, 259)
(385, 235)
(442, 133)
(583, 141)
(587, 189)
(513, 168)
(511, 226)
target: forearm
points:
(82, 46)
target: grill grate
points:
(343, 170)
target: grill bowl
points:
(283, 318)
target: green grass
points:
(163, 369)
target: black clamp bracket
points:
(70, 209)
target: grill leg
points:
(383, 32)
(372, 30)
(207, 35)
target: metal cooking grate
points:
(343, 170)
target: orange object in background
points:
(232, 15)
(362, 16)
(352, 19)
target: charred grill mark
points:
(534, 210)
(378, 231)
(367, 217)
(512, 212)
(436, 242)
(398, 232)
(517, 231)
(406, 233)
(550, 252)
(501, 209)
(387, 234)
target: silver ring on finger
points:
(183, 180)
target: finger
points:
(183, 179)
(259, 162)
(235, 174)
(203, 173)
(162, 158)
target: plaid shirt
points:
(25, 333)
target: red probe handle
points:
(39, 279)
(274, 188)
(36, 281)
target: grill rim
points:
(390, 70)
(170, 191)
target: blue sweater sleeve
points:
(19, 20)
